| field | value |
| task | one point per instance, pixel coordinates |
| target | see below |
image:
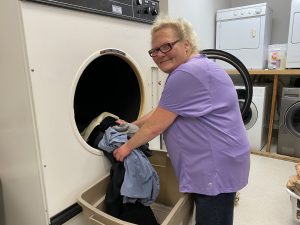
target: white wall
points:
(201, 13)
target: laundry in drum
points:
(134, 184)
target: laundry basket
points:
(295, 199)
(170, 208)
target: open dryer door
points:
(240, 67)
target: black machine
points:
(240, 67)
(144, 11)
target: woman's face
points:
(178, 55)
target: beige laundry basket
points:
(170, 208)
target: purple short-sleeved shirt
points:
(207, 142)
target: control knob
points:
(258, 11)
(154, 12)
(147, 10)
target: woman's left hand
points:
(120, 121)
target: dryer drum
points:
(240, 67)
(108, 84)
(292, 119)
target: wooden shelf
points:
(276, 156)
(275, 74)
(288, 72)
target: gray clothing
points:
(126, 128)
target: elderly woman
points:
(199, 115)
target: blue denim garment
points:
(141, 181)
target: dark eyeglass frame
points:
(163, 48)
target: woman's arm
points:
(159, 120)
(141, 121)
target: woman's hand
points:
(120, 121)
(121, 153)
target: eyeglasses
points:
(164, 48)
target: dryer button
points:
(258, 11)
(154, 12)
(146, 10)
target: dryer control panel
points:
(137, 10)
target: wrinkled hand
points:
(121, 153)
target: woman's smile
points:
(164, 61)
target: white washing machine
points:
(62, 66)
(293, 49)
(245, 32)
(257, 119)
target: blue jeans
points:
(214, 210)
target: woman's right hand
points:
(121, 153)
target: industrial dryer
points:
(63, 63)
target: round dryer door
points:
(292, 119)
(250, 116)
(241, 69)
(107, 85)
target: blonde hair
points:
(182, 27)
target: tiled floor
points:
(265, 200)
